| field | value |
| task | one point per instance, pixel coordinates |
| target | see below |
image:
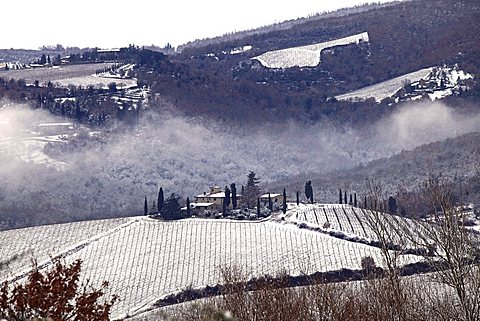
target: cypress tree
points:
(355, 199)
(392, 205)
(351, 200)
(233, 190)
(298, 198)
(309, 191)
(340, 197)
(188, 207)
(160, 200)
(284, 205)
(145, 207)
(258, 206)
(270, 204)
(224, 208)
(365, 202)
(345, 197)
(227, 197)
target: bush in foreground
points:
(54, 295)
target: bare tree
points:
(452, 249)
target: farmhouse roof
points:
(271, 195)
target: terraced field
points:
(146, 259)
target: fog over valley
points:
(47, 177)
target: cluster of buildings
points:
(212, 201)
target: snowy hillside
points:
(304, 56)
(146, 259)
(436, 82)
(385, 89)
(353, 223)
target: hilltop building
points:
(277, 200)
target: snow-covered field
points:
(78, 75)
(385, 89)
(444, 81)
(305, 56)
(146, 259)
(354, 222)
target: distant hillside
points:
(285, 25)
(219, 80)
(454, 157)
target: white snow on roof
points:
(240, 50)
(55, 124)
(109, 50)
(272, 195)
(213, 195)
(200, 204)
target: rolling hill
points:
(145, 260)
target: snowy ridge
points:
(305, 56)
(146, 259)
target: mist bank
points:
(108, 174)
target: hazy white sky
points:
(100, 23)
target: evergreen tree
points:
(153, 209)
(351, 200)
(227, 197)
(270, 204)
(284, 203)
(392, 205)
(309, 191)
(160, 200)
(171, 208)
(145, 207)
(345, 197)
(224, 208)
(251, 192)
(355, 199)
(233, 190)
(188, 207)
(43, 59)
(340, 197)
(298, 198)
(365, 205)
(258, 206)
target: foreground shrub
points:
(54, 295)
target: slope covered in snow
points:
(435, 82)
(146, 259)
(304, 56)
(385, 89)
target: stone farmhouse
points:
(212, 201)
